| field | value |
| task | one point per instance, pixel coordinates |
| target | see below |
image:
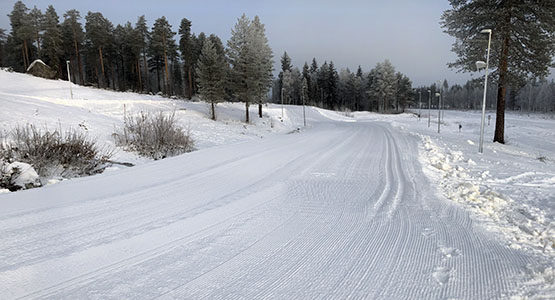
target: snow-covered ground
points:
(377, 207)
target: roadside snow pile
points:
(17, 175)
(525, 226)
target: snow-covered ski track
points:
(339, 211)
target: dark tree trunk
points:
(260, 110)
(247, 112)
(146, 85)
(101, 66)
(81, 77)
(213, 111)
(502, 89)
(190, 83)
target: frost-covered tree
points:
(287, 87)
(262, 61)
(251, 61)
(382, 84)
(523, 41)
(211, 76)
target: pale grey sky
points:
(349, 32)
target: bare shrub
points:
(54, 153)
(154, 135)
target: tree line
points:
(381, 89)
(142, 59)
(532, 96)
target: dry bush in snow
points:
(54, 153)
(154, 135)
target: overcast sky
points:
(349, 32)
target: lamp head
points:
(438, 94)
(485, 31)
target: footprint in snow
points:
(449, 252)
(441, 275)
(427, 232)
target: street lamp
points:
(438, 95)
(282, 104)
(419, 103)
(429, 107)
(69, 79)
(478, 65)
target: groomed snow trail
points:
(341, 210)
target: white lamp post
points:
(478, 65)
(439, 112)
(429, 107)
(419, 103)
(282, 104)
(69, 79)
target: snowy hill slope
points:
(47, 103)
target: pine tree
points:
(211, 76)
(52, 40)
(186, 47)
(3, 38)
(285, 62)
(382, 85)
(404, 90)
(143, 36)
(332, 78)
(240, 56)
(19, 43)
(99, 37)
(263, 62)
(523, 41)
(162, 47)
(36, 19)
(73, 36)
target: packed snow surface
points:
(369, 207)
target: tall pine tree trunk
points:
(213, 110)
(502, 88)
(101, 65)
(146, 85)
(260, 110)
(23, 56)
(166, 66)
(26, 54)
(139, 77)
(190, 83)
(501, 91)
(113, 77)
(247, 111)
(81, 77)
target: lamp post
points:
(439, 112)
(478, 64)
(69, 79)
(419, 103)
(282, 104)
(429, 107)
